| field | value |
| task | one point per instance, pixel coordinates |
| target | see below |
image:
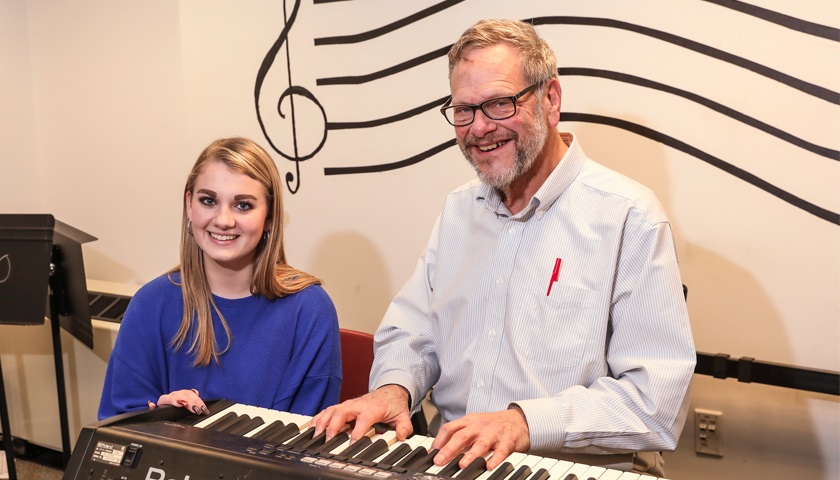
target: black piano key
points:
(304, 437)
(501, 472)
(354, 449)
(452, 467)
(311, 446)
(541, 474)
(246, 427)
(395, 455)
(224, 418)
(521, 473)
(426, 462)
(266, 432)
(374, 451)
(287, 432)
(474, 469)
(232, 426)
(571, 476)
(333, 443)
(413, 456)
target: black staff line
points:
(378, 32)
(789, 80)
(643, 131)
(722, 109)
(695, 152)
(781, 19)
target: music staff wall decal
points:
(428, 101)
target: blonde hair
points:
(537, 57)
(272, 278)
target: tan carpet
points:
(27, 470)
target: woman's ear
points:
(187, 204)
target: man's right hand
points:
(387, 404)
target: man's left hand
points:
(477, 434)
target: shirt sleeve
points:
(404, 347)
(317, 353)
(650, 353)
(132, 378)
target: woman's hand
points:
(188, 399)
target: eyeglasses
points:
(495, 109)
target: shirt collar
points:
(564, 173)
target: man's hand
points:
(477, 434)
(387, 404)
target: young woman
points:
(233, 320)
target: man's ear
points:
(554, 93)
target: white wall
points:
(105, 106)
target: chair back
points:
(356, 359)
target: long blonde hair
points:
(272, 278)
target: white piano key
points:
(545, 463)
(630, 476)
(593, 472)
(530, 460)
(488, 473)
(577, 469)
(609, 474)
(558, 471)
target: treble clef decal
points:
(5, 268)
(290, 92)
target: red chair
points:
(356, 359)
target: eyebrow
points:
(241, 196)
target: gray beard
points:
(527, 151)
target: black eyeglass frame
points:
(513, 98)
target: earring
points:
(189, 227)
(266, 234)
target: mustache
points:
(471, 140)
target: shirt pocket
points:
(552, 328)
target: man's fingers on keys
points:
(337, 422)
(480, 448)
(498, 457)
(403, 427)
(454, 444)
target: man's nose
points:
(482, 124)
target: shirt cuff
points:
(545, 429)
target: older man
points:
(547, 310)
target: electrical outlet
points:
(707, 432)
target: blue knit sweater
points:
(284, 354)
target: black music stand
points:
(37, 252)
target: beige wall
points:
(106, 105)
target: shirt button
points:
(492, 332)
(511, 231)
(500, 281)
(480, 384)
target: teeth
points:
(222, 237)
(487, 148)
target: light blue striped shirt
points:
(601, 365)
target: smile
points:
(222, 237)
(487, 148)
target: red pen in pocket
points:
(555, 274)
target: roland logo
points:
(159, 474)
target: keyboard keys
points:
(380, 453)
